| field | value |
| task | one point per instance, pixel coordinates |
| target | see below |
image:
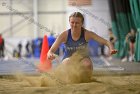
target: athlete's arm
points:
(60, 39)
(91, 35)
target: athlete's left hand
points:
(113, 52)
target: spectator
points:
(112, 39)
(19, 49)
(129, 46)
(28, 49)
(130, 39)
(15, 53)
(33, 47)
(51, 40)
(102, 47)
(1, 46)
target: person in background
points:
(15, 53)
(28, 49)
(51, 40)
(1, 46)
(76, 38)
(112, 40)
(32, 47)
(112, 37)
(102, 49)
(129, 48)
(130, 39)
(19, 49)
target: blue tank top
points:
(71, 45)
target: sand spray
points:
(71, 72)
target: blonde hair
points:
(77, 14)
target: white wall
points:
(22, 29)
(51, 15)
(55, 19)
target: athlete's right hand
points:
(50, 56)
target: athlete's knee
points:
(66, 61)
(87, 63)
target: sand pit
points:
(72, 79)
(119, 84)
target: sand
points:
(119, 84)
(73, 78)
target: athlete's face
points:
(75, 23)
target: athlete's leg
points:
(87, 63)
(66, 61)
